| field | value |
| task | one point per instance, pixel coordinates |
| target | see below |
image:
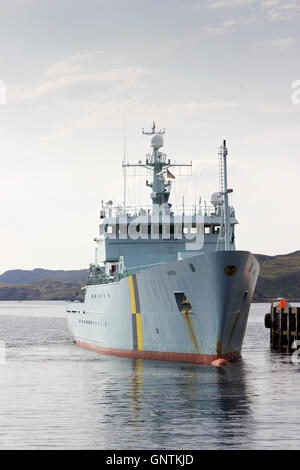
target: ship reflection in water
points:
(187, 405)
(136, 392)
(55, 395)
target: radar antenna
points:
(153, 131)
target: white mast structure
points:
(124, 167)
(159, 164)
(224, 191)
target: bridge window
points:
(215, 228)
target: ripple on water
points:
(56, 395)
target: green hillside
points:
(44, 289)
(279, 277)
(25, 276)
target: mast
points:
(160, 187)
(225, 191)
(227, 226)
(159, 164)
(124, 167)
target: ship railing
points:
(105, 278)
(134, 269)
(176, 210)
(118, 275)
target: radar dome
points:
(216, 198)
(157, 141)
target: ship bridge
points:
(132, 238)
(142, 238)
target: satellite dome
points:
(157, 141)
(216, 199)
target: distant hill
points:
(44, 289)
(279, 277)
(22, 276)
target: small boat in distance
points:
(167, 282)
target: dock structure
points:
(284, 323)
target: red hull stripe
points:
(161, 356)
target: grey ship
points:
(167, 282)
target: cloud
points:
(271, 10)
(64, 75)
(224, 27)
(70, 65)
(281, 10)
(213, 31)
(216, 4)
(281, 43)
(229, 3)
(269, 3)
(111, 113)
(276, 9)
(265, 12)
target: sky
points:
(75, 73)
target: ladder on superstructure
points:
(221, 238)
(221, 171)
(223, 242)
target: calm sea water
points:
(56, 395)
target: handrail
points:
(175, 210)
(145, 266)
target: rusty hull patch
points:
(232, 331)
(191, 331)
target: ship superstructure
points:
(167, 281)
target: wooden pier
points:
(284, 323)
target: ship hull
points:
(193, 310)
(160, 355)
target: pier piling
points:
(284, 323)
